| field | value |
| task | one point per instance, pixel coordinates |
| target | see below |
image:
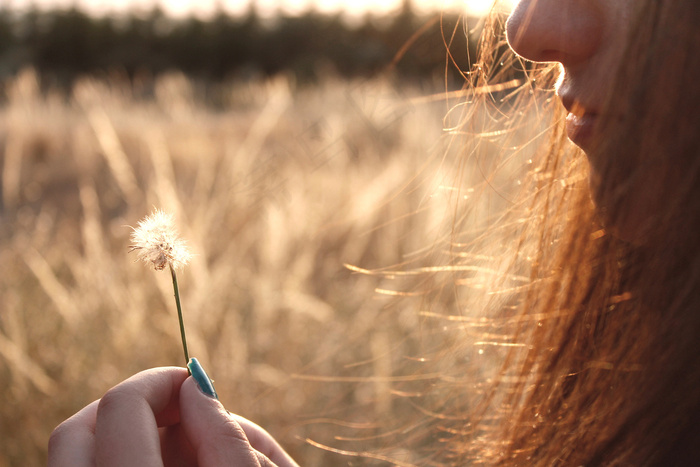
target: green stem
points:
(179, 315)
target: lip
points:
(580, 129)
(580, 122)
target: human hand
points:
(160, 417)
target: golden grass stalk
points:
(157, 242)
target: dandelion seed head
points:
(157, 242)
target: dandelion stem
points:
(179, 315)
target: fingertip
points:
(196, 404)
(214, 434)
(217, 434)
(203, 381)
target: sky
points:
(203, 8)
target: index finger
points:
(128, 416)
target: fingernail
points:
(200, 376)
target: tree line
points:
(64, 44)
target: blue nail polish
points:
(200, 376)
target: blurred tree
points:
(62, 44)
(5, 29)
(69, 45)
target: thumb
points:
(217, 438)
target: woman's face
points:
(587, 37)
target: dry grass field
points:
(275, 187)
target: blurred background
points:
(228, 40)
(290, 140)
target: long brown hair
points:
(575, 345)
(603, 366)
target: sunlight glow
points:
(205, 8)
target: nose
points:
(566, 31)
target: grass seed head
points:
(156, 242)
